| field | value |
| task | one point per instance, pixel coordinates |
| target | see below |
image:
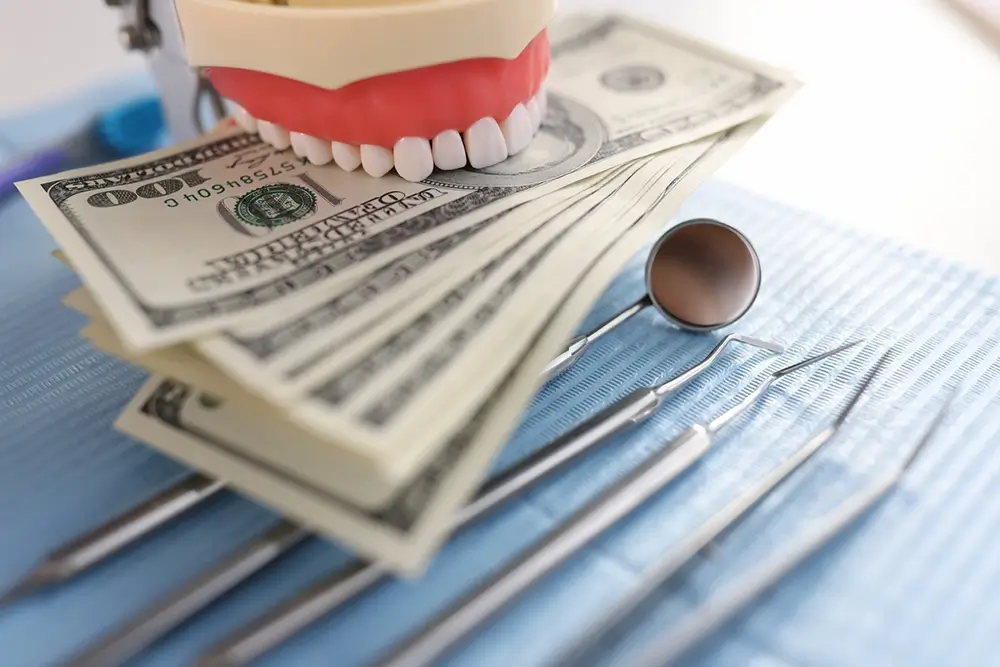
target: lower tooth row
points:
(484, 144)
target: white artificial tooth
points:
(376, 160)
(243, 117)
(273, 134)
(346, 156)
(517, 130)
(448, 150)
(534, 113)
(543, 104)
(317, 151)
(413, 158)
(298, 143)
(484, 144)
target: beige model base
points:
(333, 43)
(484, 144)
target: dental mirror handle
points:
(567, 357)
(576, 348)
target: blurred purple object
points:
(126, 130)
(38, 164)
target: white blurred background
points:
(896, 131)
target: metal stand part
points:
(151, 26)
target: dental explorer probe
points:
(472, 611)
(596, 638)
(96, 546)
(165, 615)
(711, 615)
(87, 551)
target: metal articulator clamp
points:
(151, 26)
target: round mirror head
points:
(703, 275)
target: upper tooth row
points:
(484, 144)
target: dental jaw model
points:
(410, 85)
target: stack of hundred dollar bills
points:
(354, 351)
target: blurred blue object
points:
(125, 130)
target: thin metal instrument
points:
(466, 616)
(143, 630)
(579, 345)
(87, 551)
(590, 644)
(324, 596)
(713, 614)
(249, 558)
(716, 264)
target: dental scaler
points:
(381, 85)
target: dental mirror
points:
(701, 275)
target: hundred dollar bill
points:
(270, 354)
(257, 429)
(226, 230)
(419, 311)
(427, 323)
(421, 388)
(180, 362)
(185, 362)
(402, 536)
